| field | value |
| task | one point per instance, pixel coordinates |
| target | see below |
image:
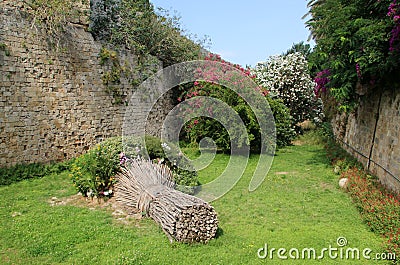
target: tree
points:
(287, 77)
(300, 47)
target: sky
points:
(243, 32)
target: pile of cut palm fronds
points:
(150, 188)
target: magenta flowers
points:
(394, 12)
(321, 80)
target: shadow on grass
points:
(318, 157)
(219, 233)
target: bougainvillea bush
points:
(357, 42)
(379, 208)
(287, 78)
(210, 85)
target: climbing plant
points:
(357, 43)
(53, 16)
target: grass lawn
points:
(299, 205)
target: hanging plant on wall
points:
(357, 44)
(117, 69)
(55, 16)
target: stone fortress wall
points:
(53, 103)
(372, 135)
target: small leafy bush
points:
(93, 173)
(344, 164)
(3, 47)
(339, 158)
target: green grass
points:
(298, 206)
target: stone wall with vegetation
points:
(55, 99)
(372, 134)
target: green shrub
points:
(202, 127)
(339, 158)
(285, 133)
(136, 25)
(20, 172)
(9, 175)
(325, 130)
(343, 164)
(93, 173)
(3, 47)
(231, 84)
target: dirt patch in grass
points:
(326, 186)
(7, 254)
(282, 173)
(298, 142)
(286, 173)
(121, 213)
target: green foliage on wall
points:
(3, 47)
(53, 16)
(152, 36)
(134, 24)
(357, 42)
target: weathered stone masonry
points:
(53, 104)
(356, 133)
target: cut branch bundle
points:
(150, 188)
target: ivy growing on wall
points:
(3, 47)
(116, 69)
(122, 24)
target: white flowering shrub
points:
(287, 77)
